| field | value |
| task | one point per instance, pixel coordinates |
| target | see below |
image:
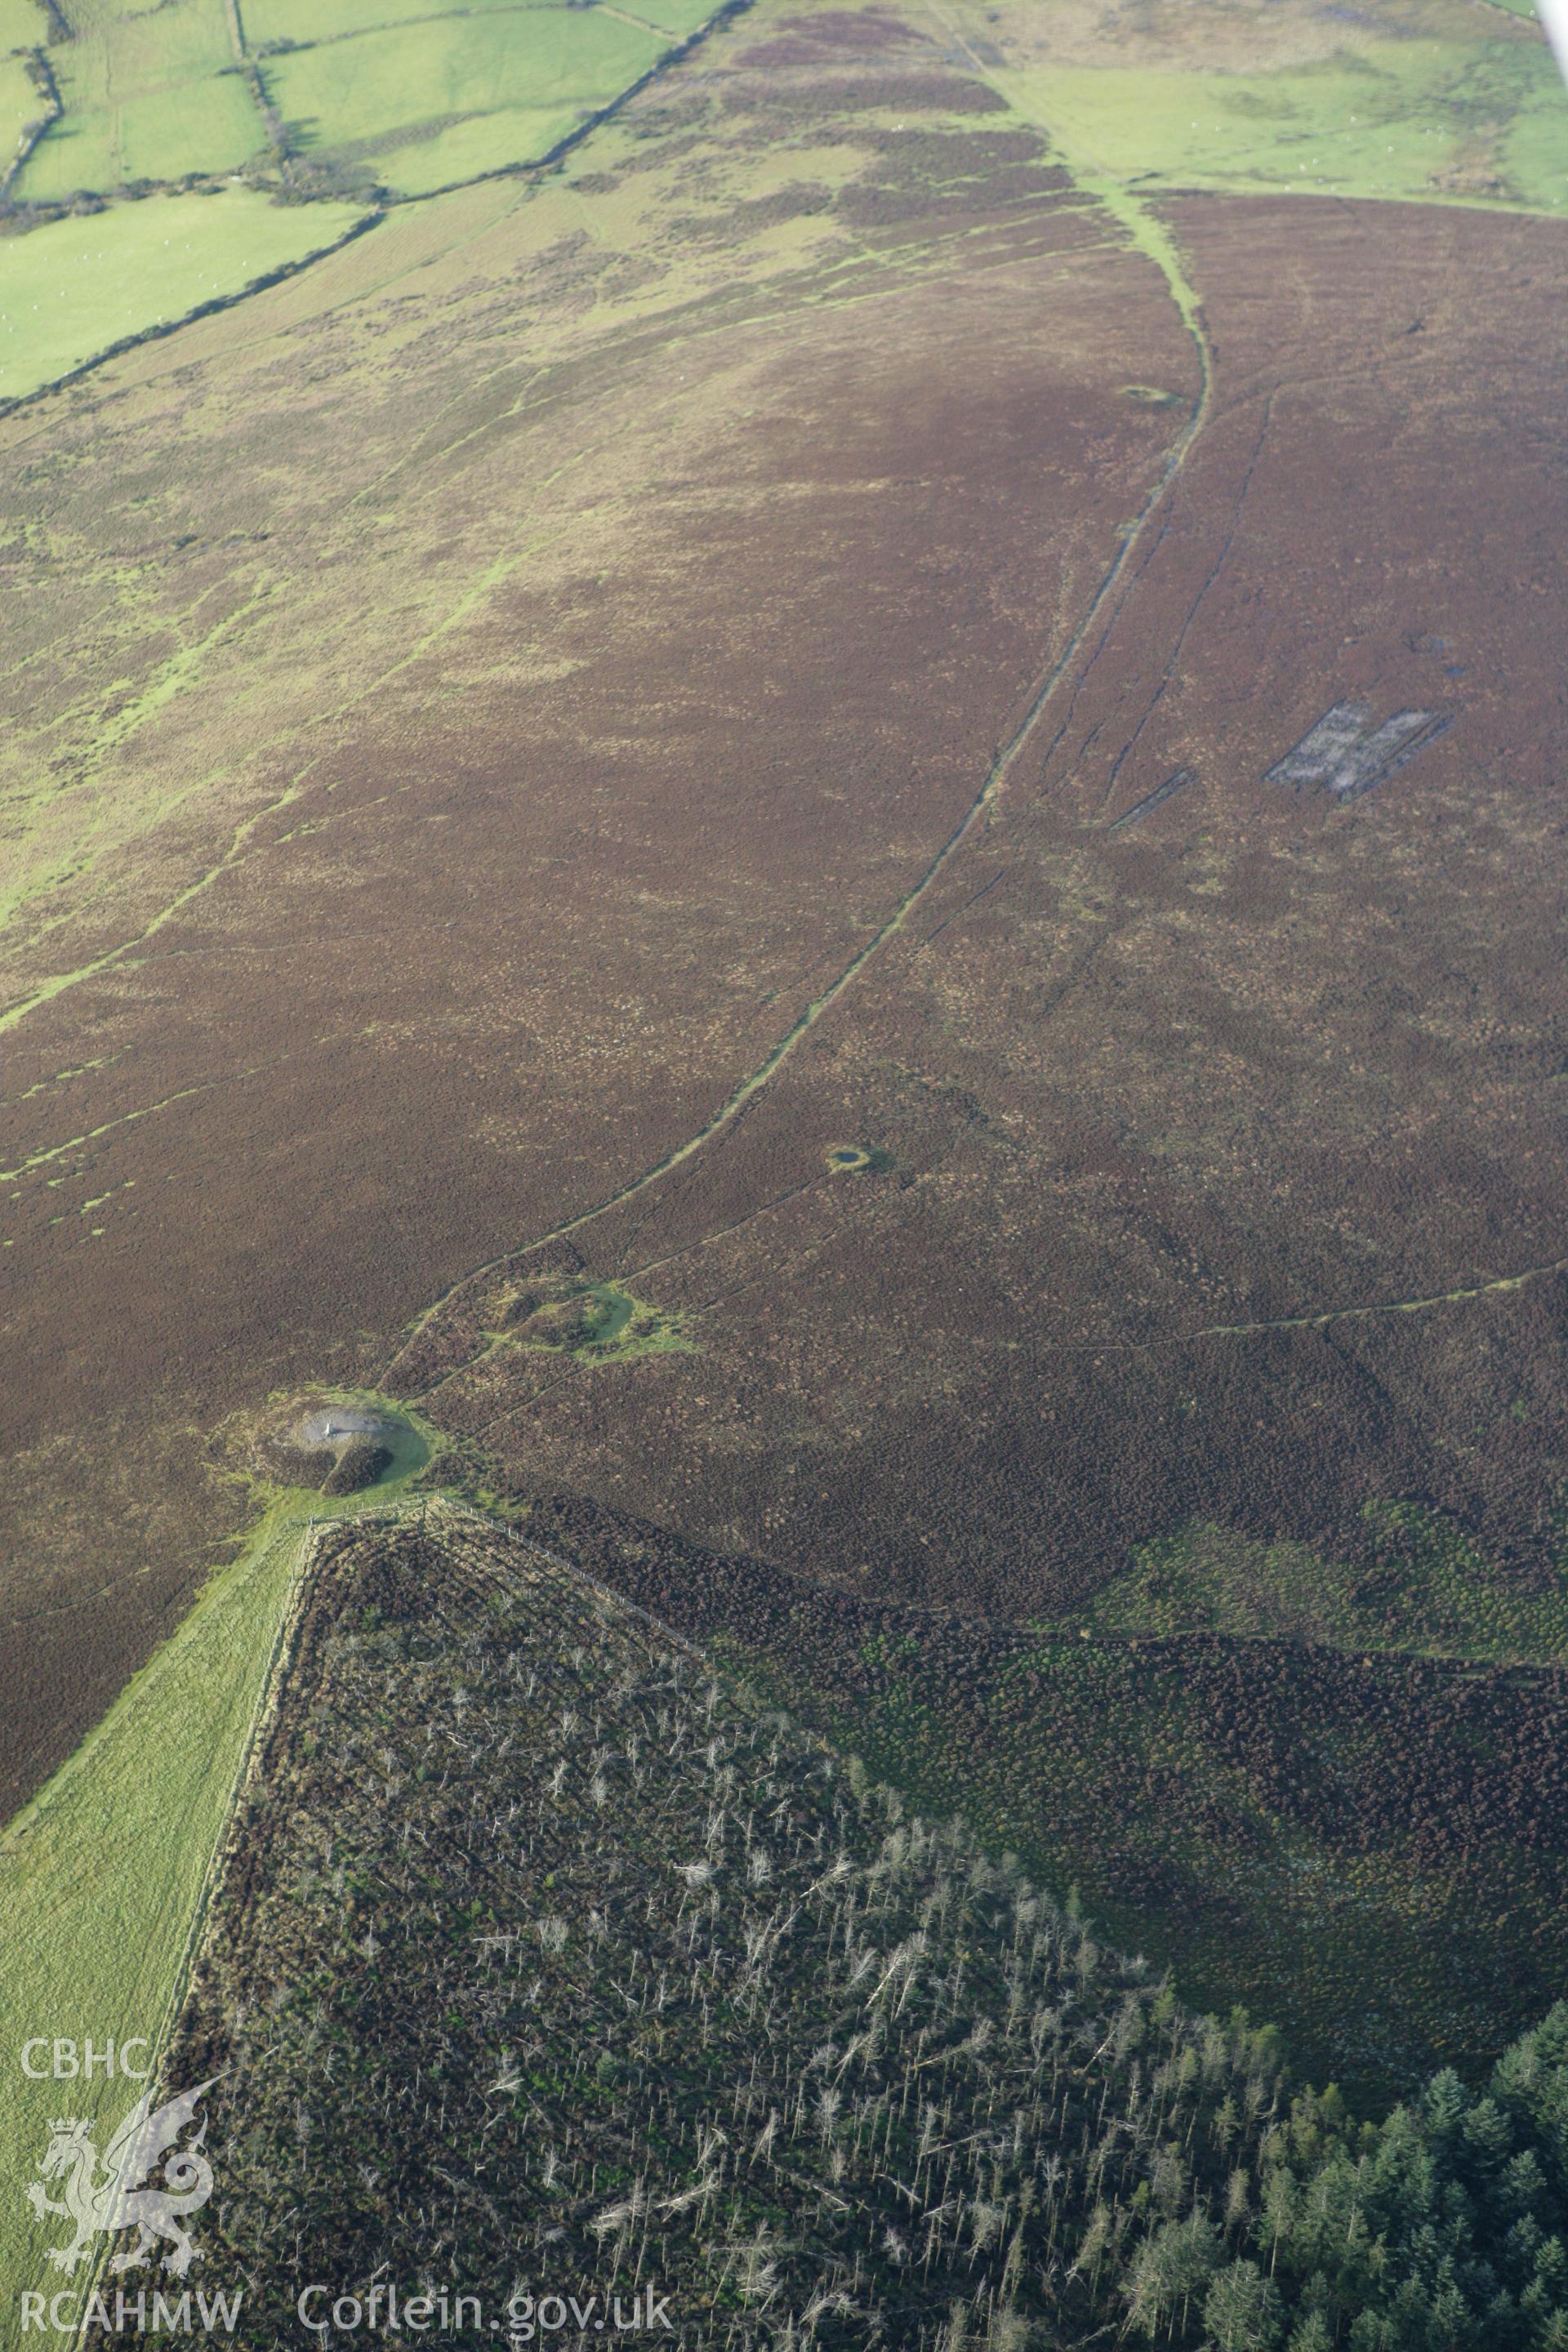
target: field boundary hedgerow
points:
(380, 200)
(41, 74)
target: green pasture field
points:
(20, 107)
(101, 1876)
(70, 289)
(305, 23)
(471, 147)
(424, 105)
(150, 95)
(23, 24)
(677, 17)
(300, 21)
(1418, 118)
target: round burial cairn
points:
(338, 1448)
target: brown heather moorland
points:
(472, 712)
(1219, 1166)
(535, 739)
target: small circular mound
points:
(338, 1448)
(852, 1159)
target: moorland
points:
(654, 812)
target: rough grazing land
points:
(1221, 1167)
(1416, 99)
(563, 807)
(508, 754)
(549, 1965)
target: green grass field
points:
(101, 1878)
(676, 17)
(467, 149)
(303, 21)
(23, 24)
(425, 104)
(1419, 119)
(148, 95)
(71, 288)
(20, 107)
(417, 98)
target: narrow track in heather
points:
(1149, 238)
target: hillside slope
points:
(548, 1964)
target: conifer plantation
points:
(547, 1957)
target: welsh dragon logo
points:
(117, 2197)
